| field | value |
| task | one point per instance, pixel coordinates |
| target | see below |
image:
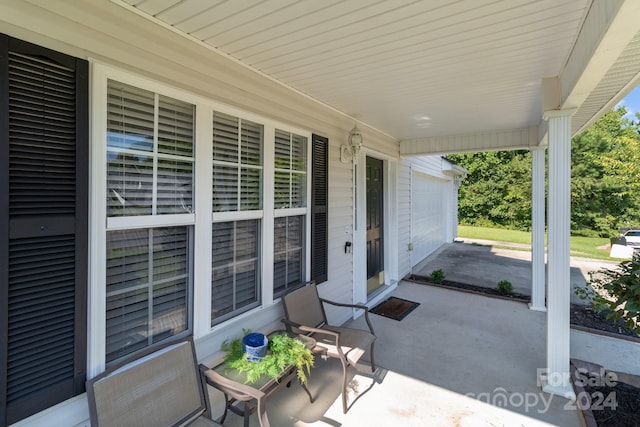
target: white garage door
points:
(428, 207)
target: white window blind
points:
(288, 267)
(147, 287)
(237, 187)
(150, 153)
(237, 164)
(150, 169)
(290, 181)
(235, 268)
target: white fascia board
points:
(608, 106)
(607, 30)
(509, 139)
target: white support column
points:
(538, 276)
(556, 380)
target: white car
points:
(632, 237)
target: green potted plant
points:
(283, 351)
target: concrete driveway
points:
(479, 262)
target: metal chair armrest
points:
(313, 330)
(342, 304)
(358, 306)
(289, 324)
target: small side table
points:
(246, 406)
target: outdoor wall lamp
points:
(350, 150)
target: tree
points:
(497, 191)
(605, 181)
(605, 176)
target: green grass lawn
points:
(587, 247)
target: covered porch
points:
(458, 359)
(418, 79)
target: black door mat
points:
(394, 308)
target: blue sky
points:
(632, 102)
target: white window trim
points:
(280, 213)
(268, 207)
(149, 221)
(299, 211)
(236, 216)
(201, 218)
(100, 223)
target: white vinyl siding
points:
(430, 167)
(429, 206)
(404, 218)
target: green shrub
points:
(283, 351)
(617, 291)
(504, 287)
(437, 276)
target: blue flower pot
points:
(255, 345)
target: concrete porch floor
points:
(437, 367)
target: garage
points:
(429, 202)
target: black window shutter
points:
(43, 227)
(319, 209)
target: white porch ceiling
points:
(412, 69)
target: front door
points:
(375, 215)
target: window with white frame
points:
(150, 169)
(290, 202)
(238, 227)
(237, 187)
